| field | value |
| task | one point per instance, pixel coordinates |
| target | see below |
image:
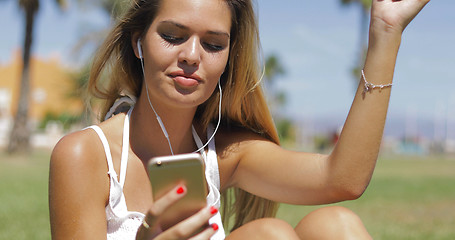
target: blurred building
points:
(50, 89)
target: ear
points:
(134, 38)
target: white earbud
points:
(139, 48)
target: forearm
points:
(352, 161)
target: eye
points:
(213, 47)
(171, 38)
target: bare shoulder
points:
(78, 186)
(83, 149)
(77, 150)
(78, 161)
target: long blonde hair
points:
(243, 103)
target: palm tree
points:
(277, 98)
(272, 69)
(365, 6)
(113, 9)
(20, 134)
(79, 92)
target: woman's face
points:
(186, 50)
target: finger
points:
(150, 227)
(207, 233)
(197, 221)
(192, 225)
(161, 204)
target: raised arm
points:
(354, 157)
(301, 178)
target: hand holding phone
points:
(166, 173)
(194, 226)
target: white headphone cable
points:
(163, 129)
(217, 125)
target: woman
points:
(169, 56)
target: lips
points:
(185, 80)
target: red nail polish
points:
(180, 190)
(213, 210)
(215, 226)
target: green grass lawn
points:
(23, 196)
(408, 198)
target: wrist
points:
(383, 39)
(383, 45)
(384, 32)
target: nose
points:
(191, 52)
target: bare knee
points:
(266, 228)
(332, 223)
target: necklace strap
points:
(125, 147)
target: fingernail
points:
(213, 210)
(214, 226)
(180, 190)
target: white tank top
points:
(123, 224)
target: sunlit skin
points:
(185, 51)
(182, 41)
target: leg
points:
(266, 228)
(331, 223)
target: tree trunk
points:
(20, 134)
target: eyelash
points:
(213, 48)
(172, 40)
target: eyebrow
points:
(181, 26)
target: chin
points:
(187, 100)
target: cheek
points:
(216, 69)
(160, 56)
(217, 64)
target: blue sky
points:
(317, 41)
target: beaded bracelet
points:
(369, 86)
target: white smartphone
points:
(166, 173)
